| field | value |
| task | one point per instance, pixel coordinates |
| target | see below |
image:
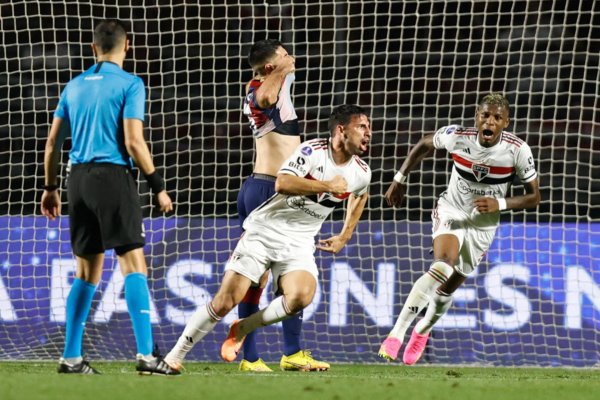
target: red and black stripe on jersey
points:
(512, 139)
(258, 115)
(466, 131)
(318, 144)
(329, 203)
(465, 169)
(361, 163)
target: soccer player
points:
(280, 234)
(103, 110)
(486, 160)
(274, 124)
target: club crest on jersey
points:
(307, 151)
(480, 171)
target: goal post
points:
(415, 66)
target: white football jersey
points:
(482, 171)
(300, 217)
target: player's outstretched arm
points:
(292, 185)
(356, 205)
(396, 191)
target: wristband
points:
(50, 188)
(156, 182)
(400, 178)
(501, 204)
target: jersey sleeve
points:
(444, 138)
(300, 162)
(366, 181)
(62, 110)
(135, 100)
(524, 164)
(363, 190)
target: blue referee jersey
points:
(95, 104)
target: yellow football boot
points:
(302, 361)
(256, 366)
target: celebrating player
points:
(104, 110)
(274, 123)
(486, 159)
(279, 234)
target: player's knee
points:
(222, 303)
(299, 299)
(441, 269)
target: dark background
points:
(415, 65)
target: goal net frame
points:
(415, 66)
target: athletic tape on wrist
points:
(156, 182)
(501, 204)
(400, 178)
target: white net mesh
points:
(416, 66)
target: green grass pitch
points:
(39, 380)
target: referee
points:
(103, 110)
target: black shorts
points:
(104, 209)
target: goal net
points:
(415, 66)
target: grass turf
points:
(39, 380)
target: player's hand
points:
(164, 202)
(486, 205)
(50, 204)
(338, 185)
(332, 245)
(395, 194)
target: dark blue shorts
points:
(256, 189)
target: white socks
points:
(275, 312)
(202, 322)
(439, 304)
(416, 301)
(73, 360)
(419, 296)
